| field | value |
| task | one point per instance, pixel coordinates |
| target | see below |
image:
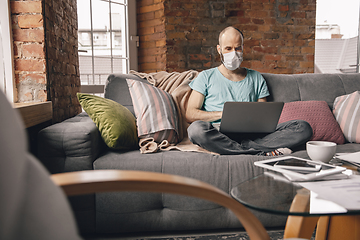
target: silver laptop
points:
(250, 117)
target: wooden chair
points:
(85, 182)
(34, 207)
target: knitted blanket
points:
(177, 85)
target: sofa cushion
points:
(318, 115)
(115, 122)
(282, 88)
(320, 87)
(168, 212)
(155, 112)
(347, 113)
(116, 89)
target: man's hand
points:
(194, 112)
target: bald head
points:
(230, 32)
(230, 39)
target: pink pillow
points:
(318, 115)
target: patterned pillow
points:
(155, 112)
(347, 113)
(318, 115)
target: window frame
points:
(133, 39)
(7, 60)
(131, 48)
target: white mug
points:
(321, 150)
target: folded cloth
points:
(148, 145)
(177, 85)
(168, 82)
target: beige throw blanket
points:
(177, 85)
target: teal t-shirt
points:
(217, 89)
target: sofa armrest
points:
(72, 145)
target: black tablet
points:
(298, 165)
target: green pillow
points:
(117, 125)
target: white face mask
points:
(232, 60)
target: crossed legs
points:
(287, 135)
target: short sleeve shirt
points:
(217, 89)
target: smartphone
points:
(297, 165)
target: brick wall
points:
(45, 51)
(30, 64)
(151, 29)
(62, 57)
(279, 34)
(175, 35)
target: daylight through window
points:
(103, 36)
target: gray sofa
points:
(76, 145)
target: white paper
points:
(345, 193)
(352, 157)
(319, 205)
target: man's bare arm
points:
(194, 111)
(262, 99)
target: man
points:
(230, 82)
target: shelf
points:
(35, 112)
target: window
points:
(6, 53)
(336, 38)
(105, 30)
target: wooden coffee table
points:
(268, 194)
